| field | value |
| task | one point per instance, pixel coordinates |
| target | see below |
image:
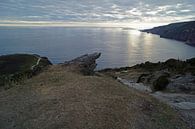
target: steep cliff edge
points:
(63, 97)
(183, 31)
(16, 67)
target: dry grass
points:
(61, 99)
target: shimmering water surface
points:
(119, 47)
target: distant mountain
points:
(183, 31)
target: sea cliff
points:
(183, 31)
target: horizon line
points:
(133, 25)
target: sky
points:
(125, 13)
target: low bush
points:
(160, 83)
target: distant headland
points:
(183, 31)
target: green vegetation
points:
(160, 83)
(16, 67)
(11, 64)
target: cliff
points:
(72, 96)
(183, 31)
(14, 68)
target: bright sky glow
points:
(104, 13)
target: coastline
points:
(139, 79)
(182, 31)
(185, 42)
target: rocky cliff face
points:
(184, 31)
(85, 63)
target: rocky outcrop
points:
(184, 31)
(172, 75)
(85, 64)
(172, 82)
(182, 83)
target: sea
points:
(119, 47)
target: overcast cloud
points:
(128, 11)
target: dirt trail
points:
(37, 63)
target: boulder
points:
(157, 80)
(85, 63)
(182, 83)
(144, 78)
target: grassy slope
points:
(15, 68)
(11, 64)
(60, 99)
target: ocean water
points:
(119, 47)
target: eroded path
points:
(37, 63)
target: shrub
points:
(191, 61)
(160, 83)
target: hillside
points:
(70, 96)
(184, 31)
(172, 82)
(14, 68)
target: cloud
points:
(97, 11)
(185, 10)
